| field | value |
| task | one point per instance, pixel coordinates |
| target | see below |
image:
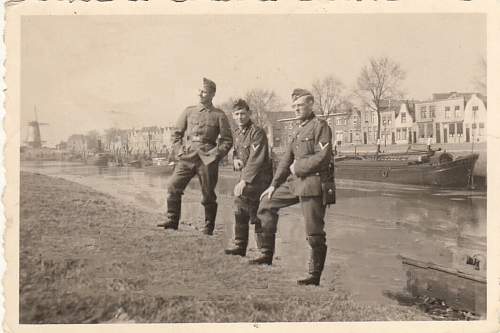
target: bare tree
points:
(261, 102)
(227, 107)
(328, 94)
(480, 79)
(93, 140)
(378, 82)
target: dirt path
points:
(85, 257)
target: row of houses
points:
(446, 118)
(143, 141)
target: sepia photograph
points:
(252, 168)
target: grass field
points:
(87, 258)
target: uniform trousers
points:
(313, 211)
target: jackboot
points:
(240, 235)
(266, 250)
(173, 215)
(210, 215)
(258, 233)
(316, 265)
(258, 240)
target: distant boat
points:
(135, 163)
(433, 168)
(99, 159)
(160, 166)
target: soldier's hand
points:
(238, 189)
(292, 168)
(269, 192)
(238, 164)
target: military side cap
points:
(209, 85)
(298, 93)
(240, 104)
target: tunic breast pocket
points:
(212, 130)
(307, 145)
(193, 122)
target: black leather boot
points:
(240, 236)
(258, 233)
(316, 262)
(210, 215)
(258, 240)
(266, 250)
(173, 215)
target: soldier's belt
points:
(200, 139)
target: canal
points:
(371, 224)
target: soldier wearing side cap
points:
(251, 158)
(202, 137)
(304, 175)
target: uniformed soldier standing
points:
(251, 157)
(194, 143)
(300, 176)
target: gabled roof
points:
(390, 105)
(410, 106)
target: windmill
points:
(34, 139)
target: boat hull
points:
(454, 173)
(100, 160)
(460, 290)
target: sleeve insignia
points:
(323, 146)
(254, 146)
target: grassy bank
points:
(86, 258)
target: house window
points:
(457, 107)
(398, 134)
(447, 113)
(423, 114)
(403, 118)
(460, 128)
(452, 129)
(474, 125)
(421, 130)
(374, 117)
(432, 111)
(447, 108)
(481, 129)
(457, 113)
(475, 108)
(404, 133)
(429, 130)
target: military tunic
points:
(251, 147)
(311, 152)
(202, 137)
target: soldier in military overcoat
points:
(251, 158)
(202, 137)
(300, 176)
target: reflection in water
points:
(368, 227)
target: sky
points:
(95, 72)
